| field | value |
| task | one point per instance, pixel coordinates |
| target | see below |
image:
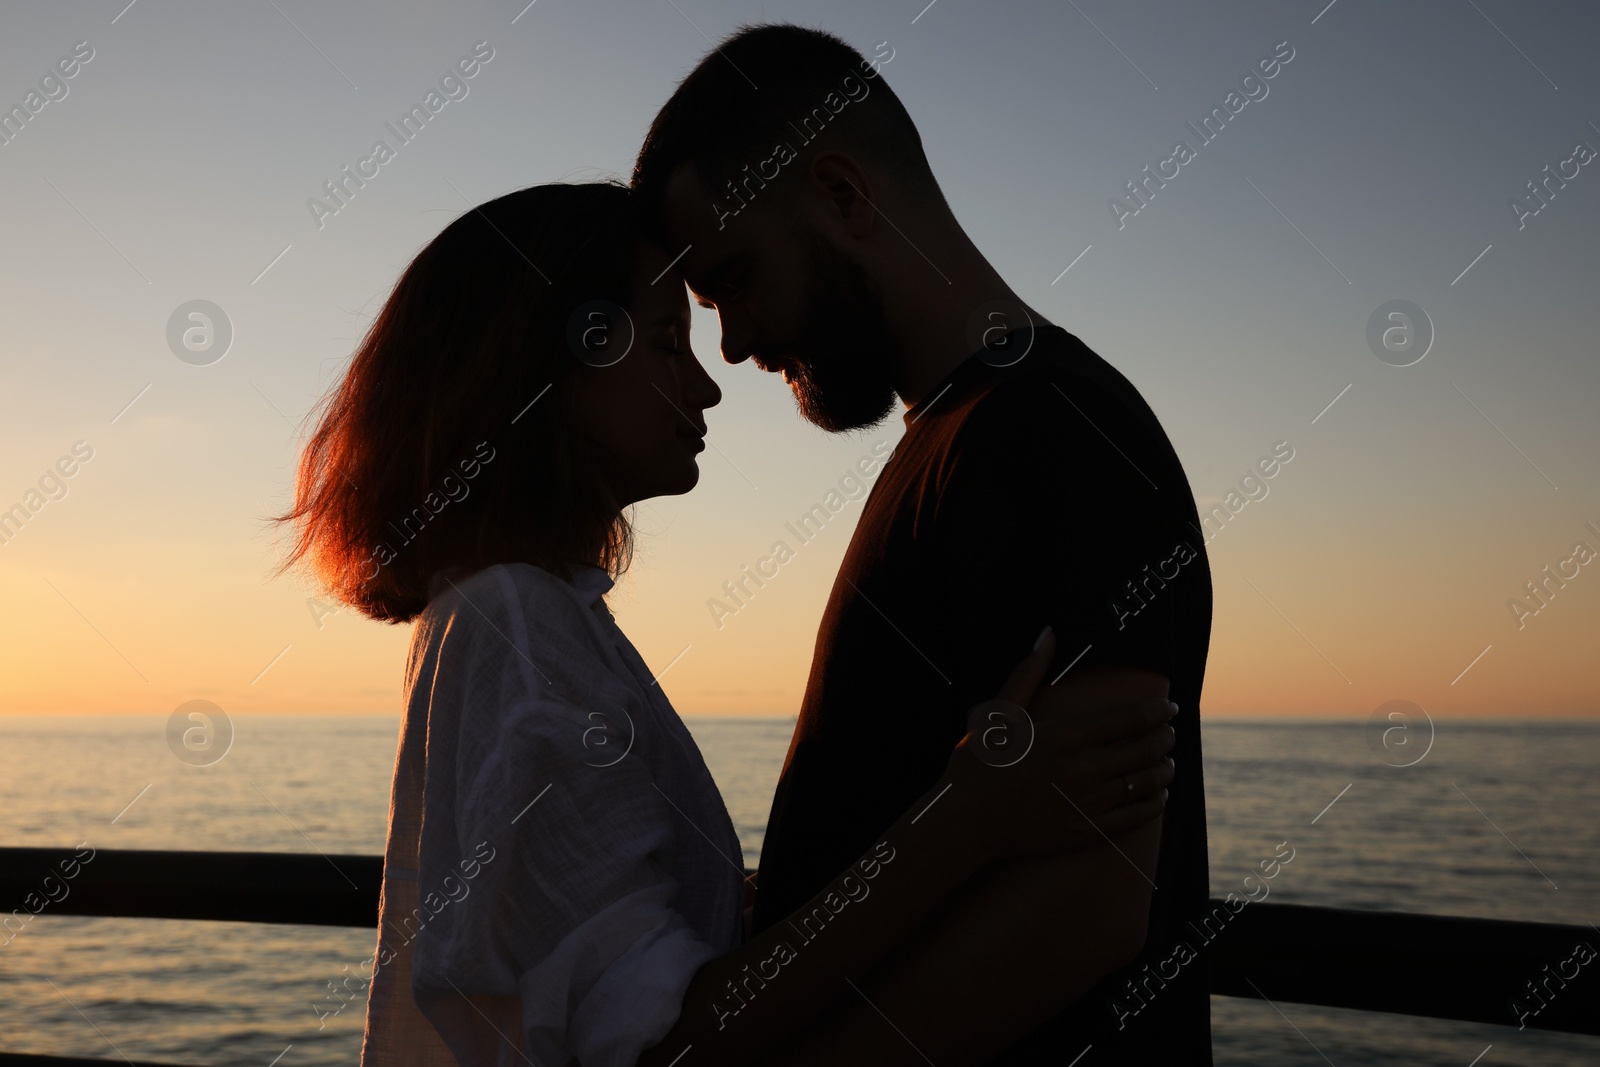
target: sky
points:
(1384, 163)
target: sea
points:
(1494, 819)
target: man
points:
(1033, 486)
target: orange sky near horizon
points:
(1298, 630)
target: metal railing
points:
(1397, 962)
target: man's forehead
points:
(684, 184)
(695, 215)
(705, 259)
(658, 303)
(687, 204)
(691, 217)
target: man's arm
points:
(1023, 939)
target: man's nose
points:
(736, 339)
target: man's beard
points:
(841, 366)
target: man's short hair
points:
(767, 87)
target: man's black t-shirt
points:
(1041, 492)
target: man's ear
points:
(848, 199)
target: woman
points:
(561, 880)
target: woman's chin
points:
(678, 483)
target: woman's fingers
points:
(1110, 778)
(1000, 732)
(1089, 766)
(1119, 721)
(1125, 757)
(1030, 671)
(1116, 792)
(1133, 815)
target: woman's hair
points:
(442, 449)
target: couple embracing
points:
(991, 817)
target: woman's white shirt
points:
(559, 860)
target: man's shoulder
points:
(1062, 395)
(1056, 375)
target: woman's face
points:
(643, 415)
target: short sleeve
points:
(546, 913)
(1055, 512)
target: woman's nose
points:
(702, 389)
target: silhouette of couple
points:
(975, 849)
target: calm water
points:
(1417, 838)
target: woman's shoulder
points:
(456, 589)
(516, 609)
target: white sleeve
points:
(546, 915)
